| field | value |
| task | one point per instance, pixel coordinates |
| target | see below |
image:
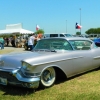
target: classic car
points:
(50, 60)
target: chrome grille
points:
(8, 76)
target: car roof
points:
(70, 38)
(56, 33)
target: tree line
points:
(93, 31)
(90, 31)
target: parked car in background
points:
(57, 35)
(50, 60)
(97, 41)
(82, 35)
(93, 36)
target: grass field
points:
(82, 87)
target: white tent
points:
(15, 28)
(23, 31)
(4, 32)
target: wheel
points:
(48, 77)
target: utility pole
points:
(80, 19)
(66, 26)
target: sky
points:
(53, 16)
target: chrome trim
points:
(29, 82)
(15, 71)
(6, 70)
(57, 60)
(25, 79)
(32, 74)
(97, 57)
(9, 70)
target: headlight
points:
(26, 70)
(26, 66)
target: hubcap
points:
(48, 77)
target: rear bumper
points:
(17, 78)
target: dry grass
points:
(5, 51)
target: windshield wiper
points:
(47, 50)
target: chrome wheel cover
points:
(48, 77)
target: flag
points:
(77, 26)
(37, 27)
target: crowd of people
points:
(7, 42)
(12, 41)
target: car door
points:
(82, 56)
(95, 56)
(82, 61)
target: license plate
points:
(3, 81)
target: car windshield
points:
(53, 44)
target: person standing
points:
(39, 36)
(31, 41)
(2, 43)
(7, 40)
(13, 42)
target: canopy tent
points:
(24, 31)
(20, 31)
(15, 28)
(4, 32)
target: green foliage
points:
(93, 31)
(40, 31)
(78, 33)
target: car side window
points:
(53, 44)
(61, 45)
(67, 46)
(61, 35)
(53, 35)
(81, 44)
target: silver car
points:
(51, 59)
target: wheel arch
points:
(60, 74)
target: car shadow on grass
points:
(14, 90)
(21, 91)
(62, 79)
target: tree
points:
(78, 33)
(93, 31)
(40, 31)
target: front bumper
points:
(16, 77)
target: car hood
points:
(13, 60)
